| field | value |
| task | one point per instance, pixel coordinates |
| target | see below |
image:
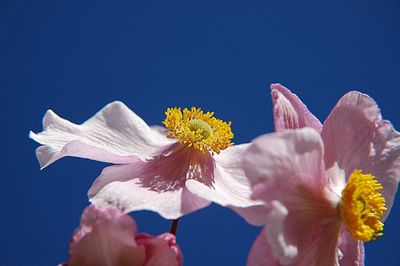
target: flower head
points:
(328, 188)
(198, 129)
(172, 173)
(107, 237)
(362, 207)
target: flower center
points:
(203, 127)
(198, 129)
(362, 207)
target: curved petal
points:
(231, 186)
(46, 155)
(131, 196)
(290, 112)
(111, 135)
(316, 241)
(106, 237)
(278, 163)
(323, 249)
(157, 184)
(271, 248)
(287, 172)
(161, 250)
(275, 230)
(356, 137)
(351, 249)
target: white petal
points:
(112, 134)
(230, 186)
(132, 196)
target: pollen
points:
(197, 129)
(362, 207)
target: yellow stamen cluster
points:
(362, 207)
(198, 129)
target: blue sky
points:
(76, 56)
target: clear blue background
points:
(76, 56)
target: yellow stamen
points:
(362, 207)
(198, 129)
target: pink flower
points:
(107, 237)
(172, 173)
(327, 188)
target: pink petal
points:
(283, 251)
(356, 137)
(287, 172)
(231, 186)
(106, 237)
(270, 247)
(157, 185)
(132, 196)
(290, 112)
(161, 250)
(113, 135)
(261, 253)
(277, 163)
(323, 250)
(351, 249)
(302, 237)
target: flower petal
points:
(230, 186)
(106, 237)
(351, 249)
(271, 248)
(323, 249)
(290, 112)
(261, 253)
(159, 131)
(113, 135)
(287, 172)
(284, 252)
(356, 137)
(133, 187)
(157, 184)
(277, 163)
(131, 196)
(161, 250)
(318, 248)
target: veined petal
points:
(290, 112)
(231, 186)
(271, 246)
(356, 137)
(114, 135)
(323, 249)
(287, 172)
(46, 155)
(351, 249)
(157, 184)
(276, 163)
(305, 241)
(131, 196)
(161, 250)
(275, 230)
